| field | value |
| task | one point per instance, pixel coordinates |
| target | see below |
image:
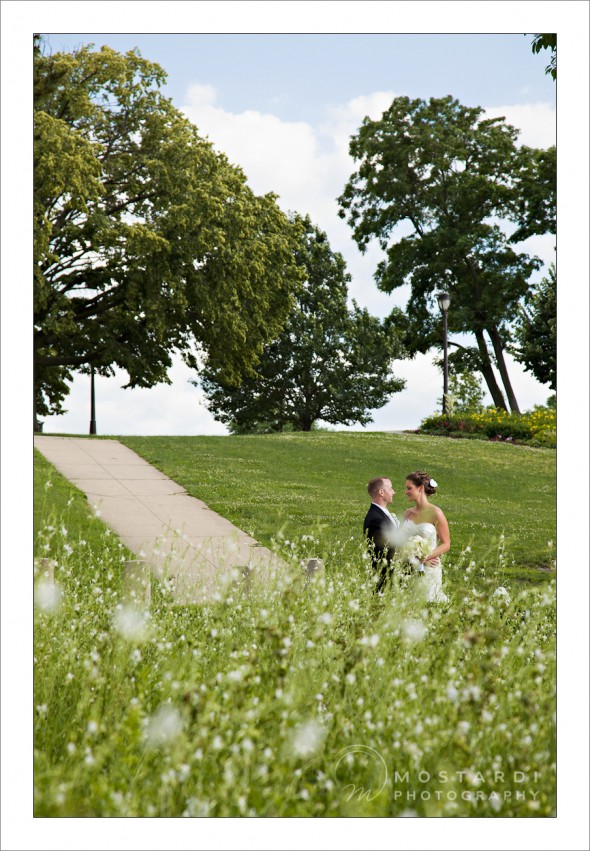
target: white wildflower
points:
(163, 726)
(472, 692)
(307, 739)
(48, 597)
(495, 801)
(131, 623)
(370, 640)
(413, 630)
(502, 594)
(452, 693)
(195, 808)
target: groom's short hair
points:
(376, 484)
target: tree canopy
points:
(329, 363)
(146, 242)
(535, 207)
(536, 331)
(454, 180)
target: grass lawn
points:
(316, 482)
(293, 700)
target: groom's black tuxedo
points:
(378, 528)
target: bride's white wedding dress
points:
(429, 583)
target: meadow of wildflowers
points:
(292, 698)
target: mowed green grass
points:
(56, 501)
(316, 483)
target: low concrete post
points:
(137, 585)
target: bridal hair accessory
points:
(433, 484)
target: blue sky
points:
(283, 107)
(297, 76)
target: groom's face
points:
(387, 491)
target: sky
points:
(283, 107)
(308, 100)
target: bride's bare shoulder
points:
(438, 513)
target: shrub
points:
(495, 423)
(546, 437)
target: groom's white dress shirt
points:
(392, 517)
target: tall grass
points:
(292, 699)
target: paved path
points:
(178, 535)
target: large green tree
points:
(146, 241)
(536, 331)
(453, 179)
(330, 362)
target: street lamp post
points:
(444, 302)
(92, 403)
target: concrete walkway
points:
(178, 535)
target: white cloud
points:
(202, 95)
(276, 156)
(536, 122)
(167, 409)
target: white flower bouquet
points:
(412, 552)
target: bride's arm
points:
(442, 531)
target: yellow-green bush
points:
(496, 423)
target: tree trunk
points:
(488, 372)
(499, 352)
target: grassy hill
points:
(316, 482)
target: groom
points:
(378, 527)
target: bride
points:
(429, 522)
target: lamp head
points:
(444, 301)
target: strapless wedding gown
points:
(429, 583)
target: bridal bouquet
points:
(412, 552)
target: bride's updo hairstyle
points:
(421, 479)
